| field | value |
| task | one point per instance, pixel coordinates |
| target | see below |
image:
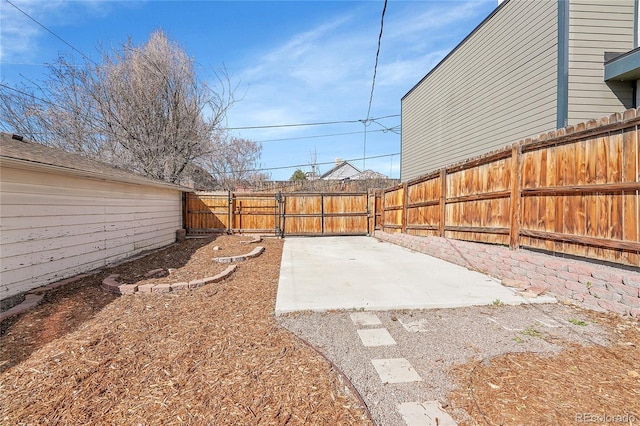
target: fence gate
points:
(324, 214)
(279, 214)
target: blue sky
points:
(293, 62)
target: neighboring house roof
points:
(15, 150)
(369, 174)
(342, 170)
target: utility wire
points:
(51, 32)
(373, 85)
(35, 97)
(384, 130)
(375, 67)
(311, 164)
(308, 124)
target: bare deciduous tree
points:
(142, 107)
(234, 161)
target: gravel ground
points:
(448, 338)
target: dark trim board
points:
(562, 97)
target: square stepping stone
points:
(395, 370)
(427, 413)
(365, 319)
(376, 337)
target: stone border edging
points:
(111, 284)
(256, 239)
(593, 285)
(240, 258)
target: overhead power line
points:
(367, 121)
(323, 123)
(375, 67)
(315, 164)
(384, 130)
(51, 32)
(31, 95)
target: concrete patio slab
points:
(321, 274)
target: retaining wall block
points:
(179, 286)
(128, 288)
(631, 281)
(580, 269)
(605, 294)
(569, 276)
(145, 288)
(161, 288)
(631, 301)
(555, 265)
(614, 306)
(623, 289)
(591, 282)
(576, 287)
(196, 283)
(607, 276)
(562, 291)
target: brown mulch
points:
(213, 355)
(582, 384)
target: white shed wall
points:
(55, 226)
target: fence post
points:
(405, 199)
(230, 218)
(443, 201)
(516, 192)
(382, 206)
(371, 211)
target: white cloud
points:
(21, 37)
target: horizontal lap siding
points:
(55, 226)
(497, 87)
(594, 28)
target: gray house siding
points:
(530, 67)
(507, 66)
(596, 27)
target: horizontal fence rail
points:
(574, 191)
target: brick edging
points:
(592, 285)
(240, 258)
(255, 239)
(111, 284)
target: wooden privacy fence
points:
(278, 213)
(574, 191)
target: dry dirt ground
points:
(216, 355)
(213, 355)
